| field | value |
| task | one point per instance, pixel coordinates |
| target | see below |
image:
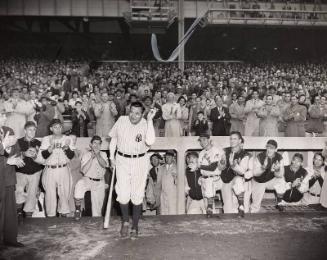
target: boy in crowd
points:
(200, 125)
(195, 202)
(152, 190)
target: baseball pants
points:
(230, 191)
(258, 191)
(53, 180)
(97, 189)
(31, 184)
(131, 179)
(195, 206)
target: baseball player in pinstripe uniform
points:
(132, 137)
(57, 150)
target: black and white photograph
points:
(163, 129)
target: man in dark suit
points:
(220, 118)
(8, 160)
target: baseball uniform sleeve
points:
(85, 158)
(242, 167)
(113, 134)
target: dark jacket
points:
(267, 175)
(227, 175)
(220, 127)
(293, 194)
(80, 124)
(195, 191)
(8, 172)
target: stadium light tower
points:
(181, 32)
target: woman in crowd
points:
(171, 113)
(268, 114)
(184, 115)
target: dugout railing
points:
(184, 144)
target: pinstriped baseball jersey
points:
(58, 155)
(130, 137)
(207, 157)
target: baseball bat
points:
(109, 203)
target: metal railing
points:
(267, 17)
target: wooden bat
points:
(109, 203)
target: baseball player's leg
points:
(239, 190)
(50, 187)
(123, 190)
(247, 196)
(32, 190)
(258, 191)
(20, 188)
(139, 172)
(280, 186)
(64, 181)
(194, 207)
(97, 197)
(229, 199)
(123, 184)
(81, 187)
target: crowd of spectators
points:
(206, 99)
(256, 100)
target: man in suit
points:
(8, 160)
(167, 184)
(219, 116)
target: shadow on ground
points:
(262, 236)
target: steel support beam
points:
(181, 31)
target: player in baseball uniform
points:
(268, 174)
(132, 137)
(211, 162)
(57, 150)
(236, 177)
(28, 177)
(93, 166)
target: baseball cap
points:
(298, 155)
(204, 135)
(55, 121)
(272, 142)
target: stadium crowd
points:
(261, 100)
(60, 101)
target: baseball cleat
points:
(124, 229)
(241, 212)
(134, 233)
(280, 208)
(77, 215)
